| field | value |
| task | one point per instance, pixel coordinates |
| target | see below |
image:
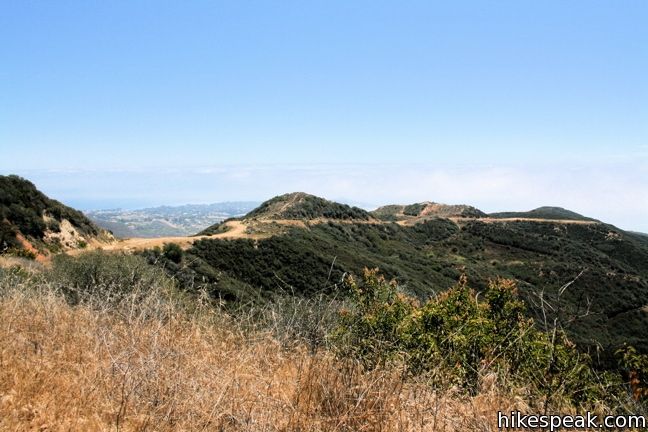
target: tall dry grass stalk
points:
(156, 365)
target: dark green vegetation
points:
(639, 235)
(308, 261)
(457, 335)
(590, 276)
(454, 340)
(388, 212)
(556, 213)
(602, 309)
(23, 210)
(426, 210)
(300, 205)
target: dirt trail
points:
(236, 229)
(239, 229)
(523, 219)
(463, 220)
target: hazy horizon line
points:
(612, 191)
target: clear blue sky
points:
(125, 90)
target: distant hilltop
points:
(424, 210)
(417, 212)
(300, 205)
(300, 242)
(163, 221)
(275, 215)
(551, 213)
(307, 208)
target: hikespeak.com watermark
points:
(551, 422)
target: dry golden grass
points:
(155, 366)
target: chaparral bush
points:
(460, 335)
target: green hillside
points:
(604, 307)
(429, 257)
(425, 210)
(553, 213)
(299, 205)
(26, 212)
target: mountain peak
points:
(301, 205)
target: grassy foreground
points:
(151, 359)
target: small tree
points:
(173, 252)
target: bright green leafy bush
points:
(461, 334)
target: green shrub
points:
(173, 252)
(22, 253)
(460, 335)
(635, 366)
(54, 225)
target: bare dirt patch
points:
(234, 230)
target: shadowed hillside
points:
(557, 213)
(428, 254)
(33, 224)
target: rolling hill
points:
(551, 213)
(427, 253)
(300, 205)
(591, 275)
(417, 212)
(31, 224)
